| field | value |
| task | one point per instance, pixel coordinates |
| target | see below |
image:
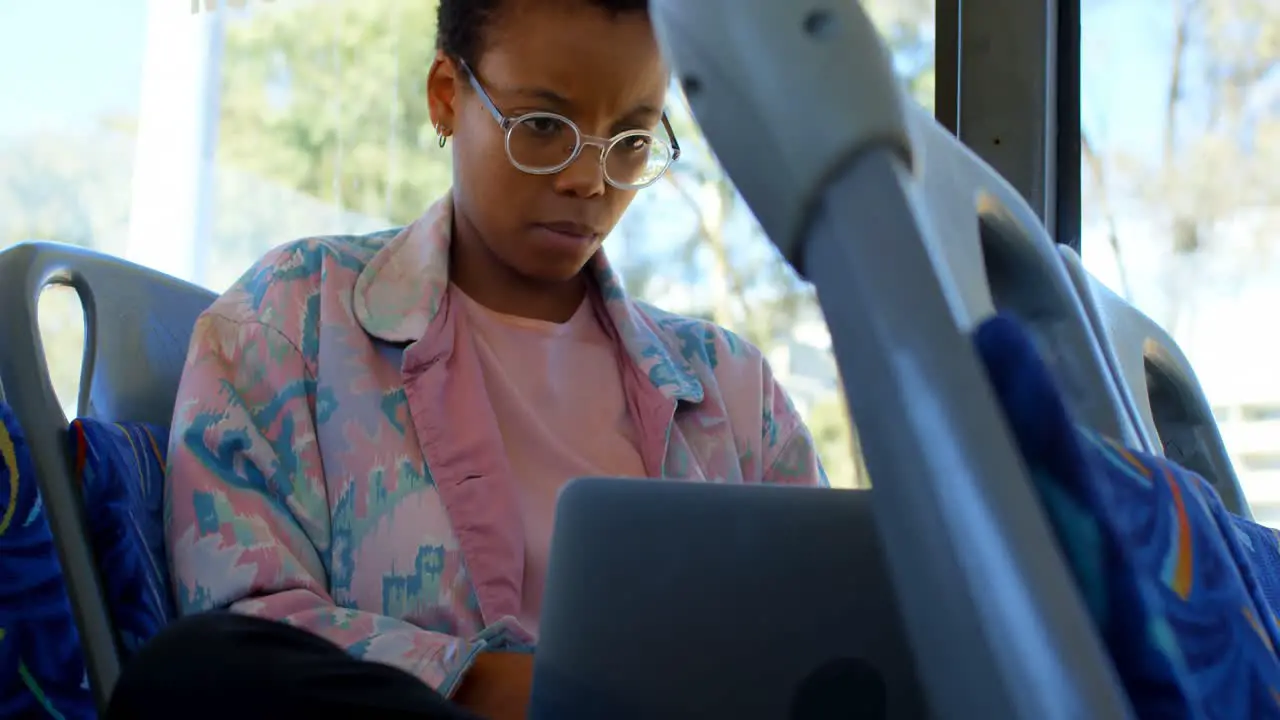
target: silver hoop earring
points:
(441, 138)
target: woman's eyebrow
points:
(644, 111)
(641, 111)
(540, 93)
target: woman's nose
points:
(584, 177)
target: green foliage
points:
(837, 443)
(329, 98)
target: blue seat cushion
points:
(42, 667)
(1261, 548)
(121, 469)
(1181, 590)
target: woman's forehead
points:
(575, 52)
(576, 61)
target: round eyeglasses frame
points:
(508, 123)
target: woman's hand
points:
(497, 686)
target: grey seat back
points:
(138, 325)
(1002, 260)
(1170, 407)
(801, 105)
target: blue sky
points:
(1125, 58)
(67, 62)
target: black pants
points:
(223, 666)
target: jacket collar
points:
(399, 292)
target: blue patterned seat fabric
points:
(42, 669)
(1182, 592)
(121, 469)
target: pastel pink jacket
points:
(334, 462)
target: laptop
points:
(668, 600)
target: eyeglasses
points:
(544, 143)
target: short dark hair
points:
(460, 24)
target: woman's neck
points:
(489, 281)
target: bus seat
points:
(42, 664)
(120, 467)
(1061, 574)
(802, 106)
(1170, 407)
(1002, 260)
(138, 324)
(1197, 641)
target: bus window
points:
(193, 137)
(1181, 123)
(62, 332)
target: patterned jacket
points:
(334, 462)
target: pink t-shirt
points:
(557, 392)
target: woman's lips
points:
(564, 237)
(571, 229)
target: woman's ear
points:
(442, 92)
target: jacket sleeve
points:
(790, 454)
(247, 509)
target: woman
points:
(371, 431)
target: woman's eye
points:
(636, 143)
(544, 125)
